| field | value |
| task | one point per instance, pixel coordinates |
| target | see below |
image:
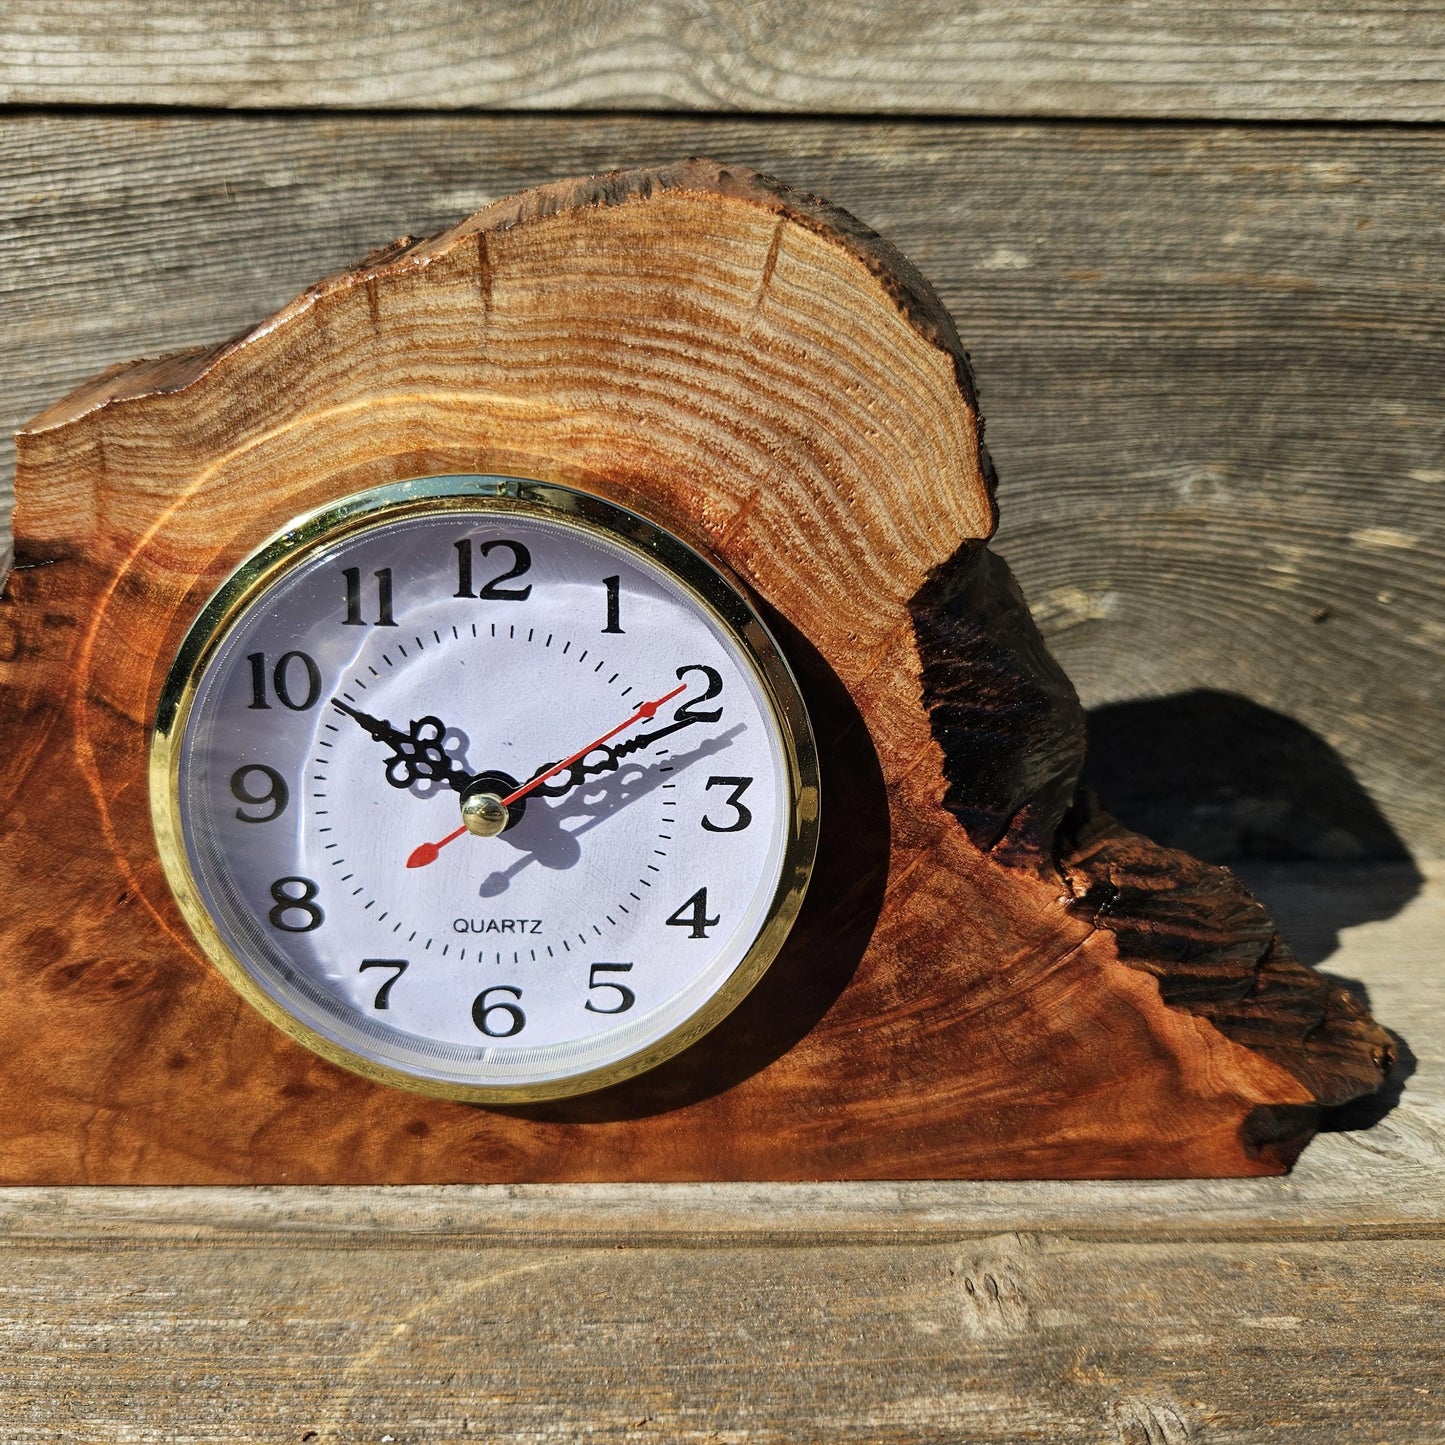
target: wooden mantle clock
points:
(542, 707)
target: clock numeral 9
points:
(693, 915)
(276, 795)
(484, 1014)
(625, 996)
(744, 814)
(288, 905)
(493, 591)
(282, 676)
(353, 597)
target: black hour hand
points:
(417, 755)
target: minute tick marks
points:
(575, 802)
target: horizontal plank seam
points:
(122, 1240)
(1210, 120)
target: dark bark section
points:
(1215, 952)
(1012, 735)
(1005, 715)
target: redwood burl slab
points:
(990, 978)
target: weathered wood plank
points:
(1327, 59)
(1209, 358)
(1003, 1338)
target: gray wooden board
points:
(1302, 1309)
(1010, 1338)
(1210, 357)
(1328, 59)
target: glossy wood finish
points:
(974, 989)
(1115, 1311)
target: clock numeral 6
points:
(744, 814)
(625, 996)
(276, 795)
(283, 676)
(288, 905)
(484, 1014)
(693, 915)
(383, 994)
(493, 591)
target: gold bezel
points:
(702, 579)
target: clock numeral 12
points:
(693, 915)
(493, 591)
(353, 597)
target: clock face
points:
(486, 788)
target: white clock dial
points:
(486, 788)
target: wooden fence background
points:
(1196, 251)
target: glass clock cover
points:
(485, 787)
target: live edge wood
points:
(991, 977)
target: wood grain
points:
(1164, 321)
(995, 1339)
(1191, 1271)
(1338, 1189)
(1225, 58)
(703, 343)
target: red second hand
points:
(427, 852)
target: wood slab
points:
(991, 977)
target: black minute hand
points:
(581, 770)
(416, 755)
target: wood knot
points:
(992, 1297)
(1150, 1420)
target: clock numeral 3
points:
(276, 795)
(744, 814)
(282, 677)
(625, 996)
(288, 905)
(353, 597)
(383, 994)
(484, 1014)
(693, 915)
(493, 591)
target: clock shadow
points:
(544, 839)
(826, 943)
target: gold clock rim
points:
(721, 595)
